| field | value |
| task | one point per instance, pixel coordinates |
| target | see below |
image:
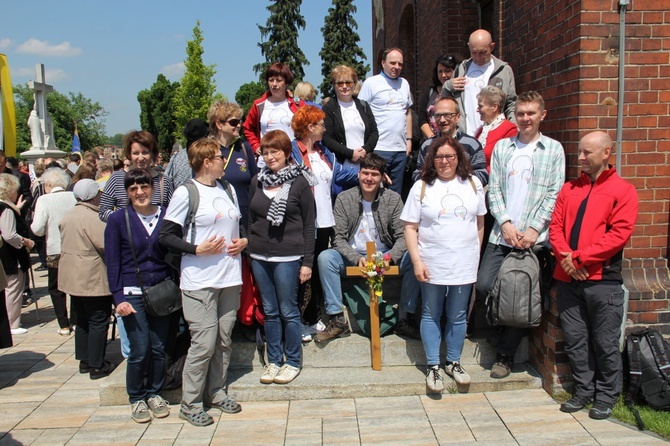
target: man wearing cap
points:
(83, 275)
(178, 168)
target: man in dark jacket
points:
(593, 220)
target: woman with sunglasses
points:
(444, 227)
(444, 69)
(146, 334)
(274, 110)
(351, 130)
(225, 122)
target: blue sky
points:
(111, 50)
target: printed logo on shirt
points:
(242, 163)
(522, 165)
(223, 207)
(453, 203)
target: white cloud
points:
(52, 74)
(22, 72)
(174, 71)
(44, 48)
(5, 43)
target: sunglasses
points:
(343, 83)
(233, 122)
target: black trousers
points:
(58, 298)
(591, 313)
(90, 336)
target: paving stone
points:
(55, 437)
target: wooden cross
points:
(375, 342)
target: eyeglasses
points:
(135, 188)
(232, 122)
(271, 153)
(448, 158)
(439, 116)
(343, 83)
(217, 156)
(321, 124)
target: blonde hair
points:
(305, 91)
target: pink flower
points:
(387, 257)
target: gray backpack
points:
(516, 297)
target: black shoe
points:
(575, 404)
(106, 369)
(27, 301)
(407, 327)
(41, 268)
(502, 367)
(84, 367)
(337, 328)
(600, 411)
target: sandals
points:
(198, 419)
(227, 406)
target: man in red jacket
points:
(593, 220)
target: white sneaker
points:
(268, 376)
(18, 331)
(456, 371)
(318, 327)
(306, 333)
(286, 374)
(434, 380)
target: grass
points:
(657, 421)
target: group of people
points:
(299, 198)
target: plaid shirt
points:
(548, 178)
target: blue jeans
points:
(332, 266)
(395, 167)
(278, 284)
(147, 336)
(123, 337)
(436, 298)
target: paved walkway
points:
(45, 401)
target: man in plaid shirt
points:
(527, 172)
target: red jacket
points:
(607, 224)
(252, 125)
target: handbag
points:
(161, 299)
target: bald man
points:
(473, 74)
(593, 220)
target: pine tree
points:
(196, 88)
(340, 43)
(281, 31)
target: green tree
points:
(340, 44)
(281, 31)
(65, 110)
(157, 111)
(196, 88)
(248, 93)
(116, 140)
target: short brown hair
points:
(200, 150)
(464, 168)
(387, 51)
(222, 111)
(277, 139)
(531, 96)
(279, 69)
(143, 138)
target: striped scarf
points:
(283, 178)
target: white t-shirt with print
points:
(519, 177)
(216, 216)
(367, 232)
(277, 116)
(476, 78)
(389, 100)
(354, 128)
(322, 197)
(448, 238)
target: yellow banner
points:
(7, 108)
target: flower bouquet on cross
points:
(375, 269)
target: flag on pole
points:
(76, 147)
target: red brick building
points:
(569, 52)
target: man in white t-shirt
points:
(473, 74)
(527, 171)
(367, 213)
(390, 100)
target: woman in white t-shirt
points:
(211, 279)
(331, 178)
(444, 224)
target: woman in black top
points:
(444, 69)
(281, 245)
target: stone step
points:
(341, 369)
(338, 382)
(354, 351)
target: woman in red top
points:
(491, 107)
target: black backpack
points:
(648, 371)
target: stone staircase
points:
(341, 369)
